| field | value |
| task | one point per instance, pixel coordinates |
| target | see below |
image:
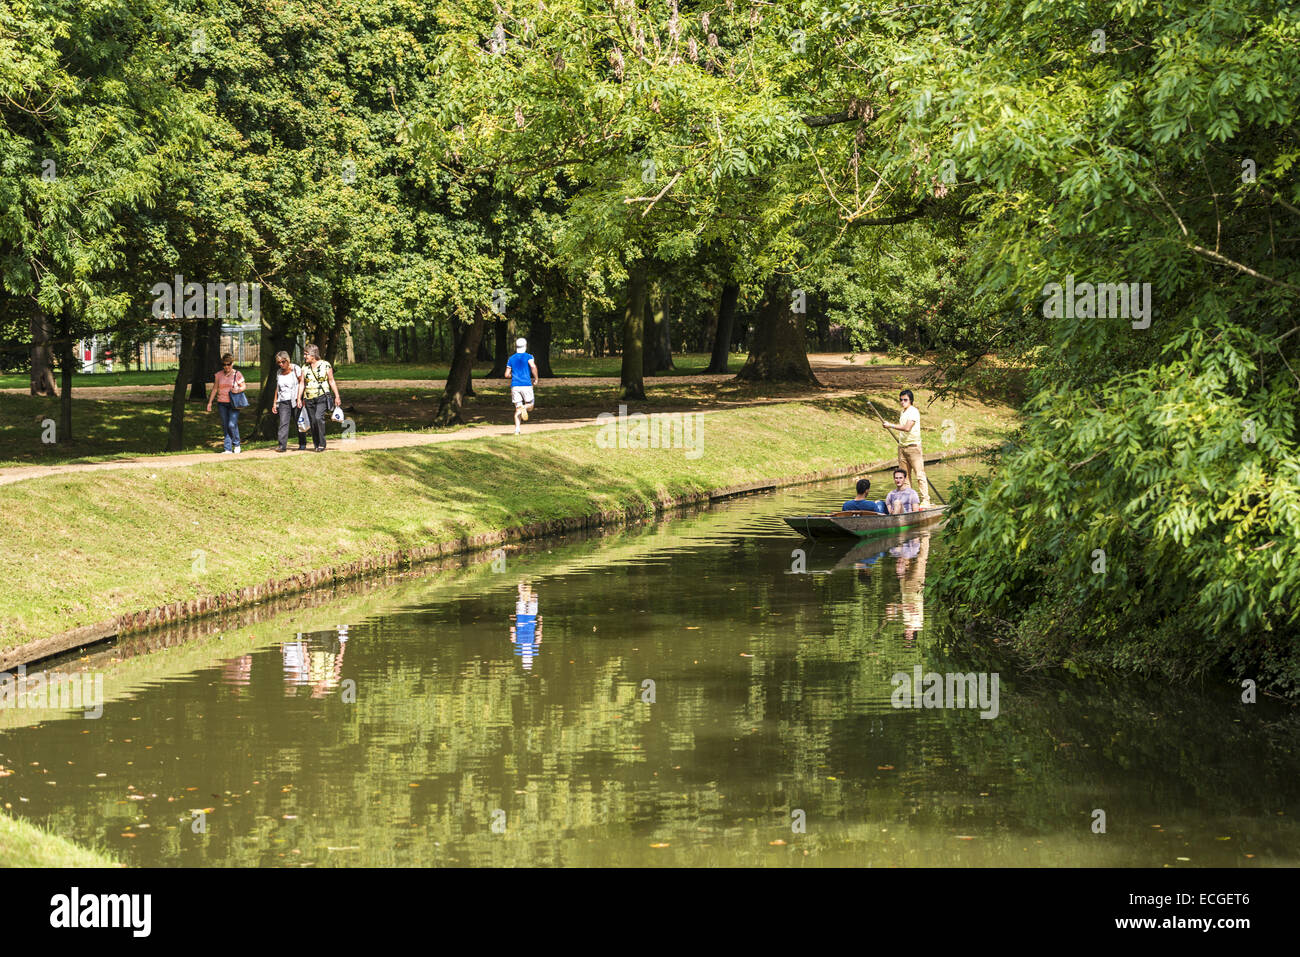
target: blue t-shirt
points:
(865, 505)
(520, 374)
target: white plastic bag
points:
(303, 422)
(337, 414)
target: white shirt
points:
(286, 383)
(911, 418)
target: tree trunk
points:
(69, 358)
(540, 332)
(484, 350)
(588, 343)
(42, 354)
(501, 350)
(632, 382)
(459, 331)
(451, 405)
(726, 322)
(184, 373)
(777, 353)
(652, 356)
(349, 349)
(207, 359)
(280, 338)
(197, 392)
(666, 355)
(331, 345)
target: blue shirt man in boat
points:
(862, 503)
(904, 497)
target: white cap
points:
(521, 344)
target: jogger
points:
(523, 376)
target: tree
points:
(90, 130)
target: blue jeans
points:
(229, 423)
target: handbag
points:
(238, 400)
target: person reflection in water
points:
(909, 564)
(526, 632)
(316, 662)
(237, 672)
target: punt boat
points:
(861, 523)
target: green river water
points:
(691, 691)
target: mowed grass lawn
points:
(109, 428)
(686, 364)
(78, 549)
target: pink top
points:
(224, 382)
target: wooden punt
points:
(861, 524)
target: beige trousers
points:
(911, 459)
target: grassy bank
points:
(25, 845)
(82, 548)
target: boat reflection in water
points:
(526, 630)
(315, 661)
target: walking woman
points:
(288, 385)
(317, 389)
(228, 391)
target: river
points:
(703, 689)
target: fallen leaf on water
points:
(692, 627)
(658, 845)
(884, 767)
(1184, 858)
(1248, 855)
(774, 843)
(965, 837)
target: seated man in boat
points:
(862, 503)
(904, 497)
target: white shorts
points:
(521, 394)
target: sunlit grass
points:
(25, 845)
(79, 548)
